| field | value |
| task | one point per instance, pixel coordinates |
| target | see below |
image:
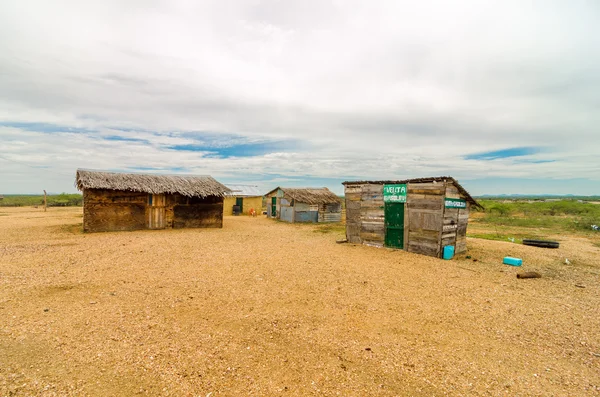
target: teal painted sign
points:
(455, 203)
(394, 193)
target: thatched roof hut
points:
(127, 201)
(311, 195)
(186, 185)
(304, 205)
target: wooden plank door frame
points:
(156, 213)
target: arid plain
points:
(266, 308)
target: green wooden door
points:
(239, 201)
(394, 225)
(274, 207)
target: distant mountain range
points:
(538, 196)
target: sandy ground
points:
(266, 308)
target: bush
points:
(559, 215)
(59, 200)
(65, 200)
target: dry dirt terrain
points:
(266, 308)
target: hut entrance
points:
(394, 225)
(274, 206)
(156, 211)
(239, 201)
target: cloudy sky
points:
(502, 95)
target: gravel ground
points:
(267, 308)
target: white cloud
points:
(377, 90)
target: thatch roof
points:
(186, 185)
(422, 180)
(310, 195)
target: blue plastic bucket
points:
(509, 260)
(448, 252)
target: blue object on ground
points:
(509, 260)
(448, 252)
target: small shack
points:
(418, 215)
(304, 205)
(120, 201)
(243, 199)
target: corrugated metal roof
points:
(244, 190)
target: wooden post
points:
(45, 202)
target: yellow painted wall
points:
(249, 202)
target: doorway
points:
(239, 202)
(156, 211)
(394, 225)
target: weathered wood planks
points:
(429, 226)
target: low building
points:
(304, 205)
(418, 215)
(120, 201)
(242, 200)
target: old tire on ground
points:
(541, 243)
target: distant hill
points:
(536, 197)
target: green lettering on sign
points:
(394, 193)
(455, 203)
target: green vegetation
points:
(525, 197)
(56, 200)
(559, 215)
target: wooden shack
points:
(120, 201)
(304, 205)
(418, 215)
(243, 198)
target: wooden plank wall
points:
(330, 213)
(428, 224)
(455, 222)
(365, 214)
(353, 195)
(425, 211)
(372, 228)
(109, 210)
(450, 225)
